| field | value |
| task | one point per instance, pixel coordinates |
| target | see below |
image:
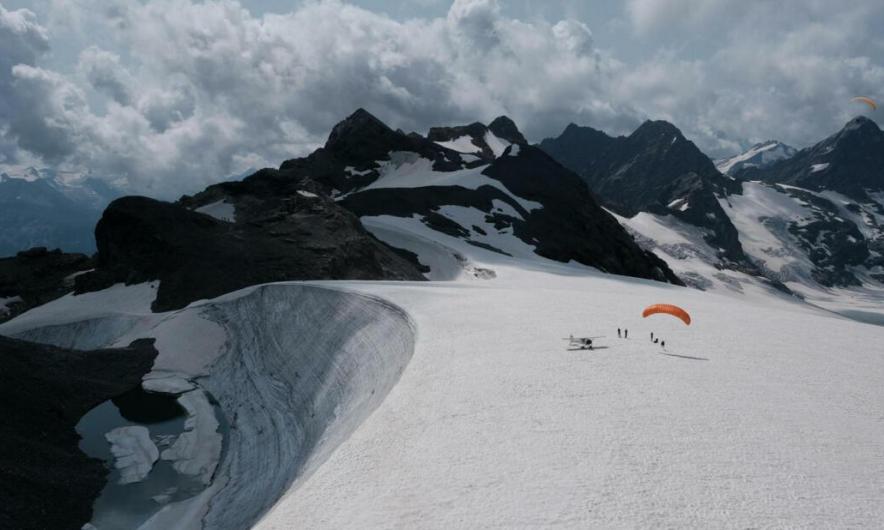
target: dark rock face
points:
(850, 162)
(504, 127)
(657, 170)
(351, 155)
(37, 276)
(571, 225)
(578, 148)
(45, 481)
(275, 238)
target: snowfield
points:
(760, 414)
(457, 404)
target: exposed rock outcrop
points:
(45, 480)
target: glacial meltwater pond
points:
(136, 434)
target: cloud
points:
(783, 70)
(207, 89)
(106, 75)
(178, 94)
(22, 40)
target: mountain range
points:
(806, 222)
(50, 208)
(798, 222)
(302, 221)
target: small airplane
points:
(581, 343)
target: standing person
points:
(652, 336)
(618, 333)
(663, 344)
(625, 333)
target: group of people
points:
(624, 334)
(585, 343)
(656, 340)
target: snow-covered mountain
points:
(802, 227)
(308, 219)
(850, 162)
(655, 170)
(480, 184)
(49, 208)
(761, 155)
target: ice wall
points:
(304, 366)
(301, 368)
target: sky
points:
(164, 97)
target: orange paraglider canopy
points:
(868, 101)
(668, 310)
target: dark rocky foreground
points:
(38, 276)
(275, 238)
(46, 482)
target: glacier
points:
(443, 404)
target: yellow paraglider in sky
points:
(868, 101)
(668, 309)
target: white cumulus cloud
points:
(177, 94)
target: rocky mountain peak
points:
(360, 125)
(858, 132)
(851, 162)
(505, 128)
(861, 123)
(657, 130)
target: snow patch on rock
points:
(6, 302)
(221, 210)
(497, 145)
(462, 144)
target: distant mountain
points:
(809, 222)
(51, 209)
(761, 155)
(839, 185)
(850, 162)
(657, 170)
